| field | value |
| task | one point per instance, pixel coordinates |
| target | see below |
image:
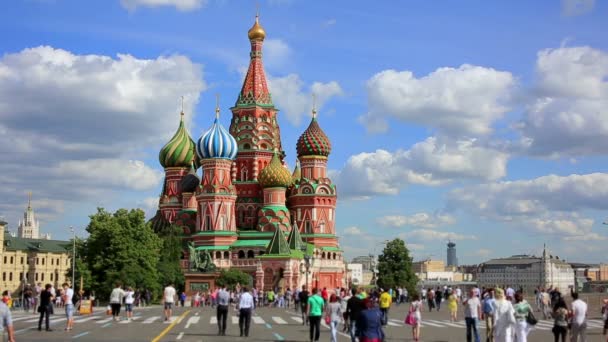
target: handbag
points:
(327, 319)
(410, 319)
(530, 319)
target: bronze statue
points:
(200, 262)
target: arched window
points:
(241, 254)
(246, 146)
(334, 256)
(226, 255)
(218, 255)
(241, 215)
(243, 173)
(323, 255)
(308, 227)
(207, 222)
(250, 254)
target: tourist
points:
(510, 293)
(369, 323)
(270, 297)
(245, 306)
(605, 317)
(385, 305)
(438, 298)
(560, 320)
(472, 312)
(354, 306)
(223, 300)
(430, 299)
(544, 303)
(344, 308)
(325, 295)
(522, 311)
(488, 307)
(68, 293)
(129, 299)
(182, 299)
(415, 309)
(288, 296)
(46, 306)
(314, 312)
(304, 304)
(579, 319)
(334, 311)
(116, 297)
(504, 318)
(168, 300)
(6, 322)
(453, 307)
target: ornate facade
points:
(29, 228)
(247, 210)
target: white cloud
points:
(276, 53)
(74, 128)
(329, 22)
(569, 117)
(353, 231)
(577, 7)
(181, 5)
(424, 220)
(434, 235)
(590, 236)
(149, 205)
(459, 102)
(295, 102)
(433, 162)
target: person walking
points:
(334, 311)
(488, 307)
(354, 306)
(223, 300)
(314, 312)
(182, 299)
(68, 293)
(6, 323)
(129, 300)
(116, 297)
(472, 312)
(369, 323)
(453, 307)
(344, 308)
(579, 319)
(438, 298)
(605, 317)
(385, 304)
(504, 318)
(168, 300)
(304, 304)
(560, 320)
(245, 307)
(522, 310)
(46, 306)
(415, 309)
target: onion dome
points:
(256, 32)
(275, 174)
(190, 181)
(217, 142)
(313, 142)
(179, 151)
(159, 224)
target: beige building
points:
(427, 266)
(30, 261)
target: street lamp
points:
(308, 263)
(73, 256)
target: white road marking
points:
(192, 320)
(151, 320)
(213, 320)
(105, 320)
(235, 320)
(171, 320)
(127, 321)
(278, 320)
(179, 337)
(257, 320)
(297, 319)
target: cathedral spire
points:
(255, 88)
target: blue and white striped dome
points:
(216, 143)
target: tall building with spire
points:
(29, 227)
(247, 211)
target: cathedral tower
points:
(254, 126)
(275, 179)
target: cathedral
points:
(248, 211)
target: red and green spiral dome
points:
(313, 142)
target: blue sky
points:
(483, 123)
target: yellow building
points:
(429, 266)
(32, 261)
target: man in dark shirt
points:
(45, 306)
(304, 304)
(354, 306)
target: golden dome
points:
(257, 31)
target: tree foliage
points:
(169, 268)
(81, 267)
(231, 277)
(395, 267)
(121, 247)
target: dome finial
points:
(314, 106)
(256, 32)
(182, 112)
(217, 106)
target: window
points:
(42, 276)
(207, 222)
(21, 276)
(36, 276)
(43, 261)
(10, 276)
(51, 276)
(57, 263)
(12, 260)
(226, 255)
(3, 276)
(21, 260)
(37, 262)
(308, 227)
(241, 255)
(52, 261)
(250, 254)
(5, 259)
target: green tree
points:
(169, 268)
(233, 276)
(121, 247)
(82, 269)
(395, 267)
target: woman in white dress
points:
(504, 318)
(415, 310)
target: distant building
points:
(452, 258)
(365, 260)
(29, 228)
(527, 272)
(32, 261)
(428, 266)
(356, 273)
